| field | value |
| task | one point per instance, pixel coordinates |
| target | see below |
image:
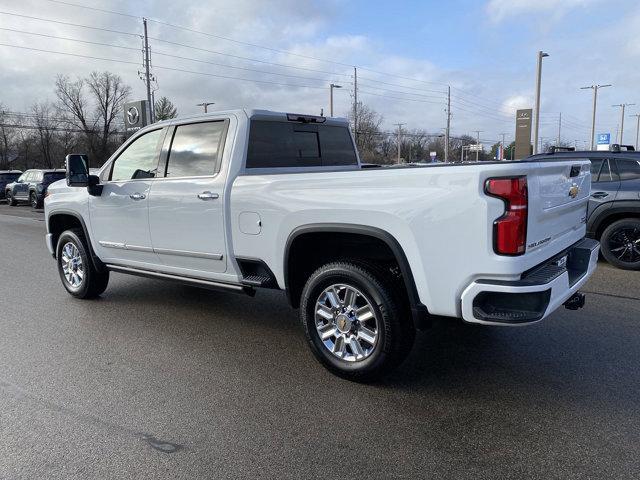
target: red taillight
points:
(510, 230)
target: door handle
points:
(599, 194)
(208, 196)
(137, 196)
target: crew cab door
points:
(629, 172)
(605, 183)
(186, 208)
(119, 216)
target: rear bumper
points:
(537, 294)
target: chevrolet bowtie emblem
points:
(573, 191)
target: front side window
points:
(139, 159)
(596, 165)
(628, 169)
(195, 149)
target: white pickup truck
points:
(248, 199)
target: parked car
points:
(6, 177)
(31, 187)
(241, 200)
(614, 205)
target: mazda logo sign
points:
(133, 115)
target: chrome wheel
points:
(346, 323)
(72, 266)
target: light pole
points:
(593, 118)
(331, 87)
(541, 55)
(637, 115)
(622, 107)
(399, 125)
(205, 105)
(478, 132)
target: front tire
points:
(620, 244)
(33, 200)
(10, 200)
(78, 274)
(354, 321)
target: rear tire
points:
(620, 244)
(77, 272)
(10, 200)
(354, 321)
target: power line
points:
(401, 98)
(162, 67)
(69, 39)
(93, 8)
(59, 22)
(193, 47)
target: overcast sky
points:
(409, 51)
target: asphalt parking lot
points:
(156, 380)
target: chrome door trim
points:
(117, 245)
(187, 253)
(188, 280)
(123, 246)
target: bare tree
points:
(94, 113)
(368, 133)
(164, 109)
(45, 126)
(7, 141)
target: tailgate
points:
(558, 197)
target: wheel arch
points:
(293, 289)
(617, 211)
(59, 221)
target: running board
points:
(195, 282)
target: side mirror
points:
(77, 167)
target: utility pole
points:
(502, 156)
(541, 55)
(448, 132)
(205, 105)
(593, 117)
(637, 115)
(147, 76)
(478, 143)
(622, 107)
(355, 104)
(399, 125)
(331, 87)
(559, 129)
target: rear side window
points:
(596, 165)
(53, 177)
(196, 149)
(290, 144)
(628, 169)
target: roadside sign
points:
(475, 147)
(136, 116)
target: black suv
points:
(613, 216)
(7, 176)
(32, 186)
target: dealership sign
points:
(523, 133)
(603, 141)
(136, 116)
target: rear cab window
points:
(288, 144)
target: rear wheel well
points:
(614, 218)
(309, 251)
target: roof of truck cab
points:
(251, 114)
